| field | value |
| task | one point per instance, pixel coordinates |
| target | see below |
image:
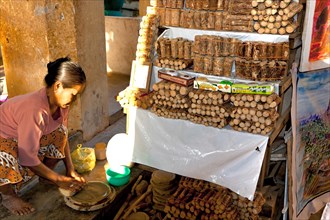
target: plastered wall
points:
(32, 33)
(24, 45)
(121, 39)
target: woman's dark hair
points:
(66, 72)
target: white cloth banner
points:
(226, 157)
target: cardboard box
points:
(176, 77)
(266, 89)
(221, 86)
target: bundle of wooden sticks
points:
(275, 16)
(198, 199)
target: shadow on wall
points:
(121, 34)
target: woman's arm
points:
(69, 165)
(60, 180)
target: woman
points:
(33, 135)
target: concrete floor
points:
(46, 198)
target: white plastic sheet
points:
(226, 157)
(190, 34)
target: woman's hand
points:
(72, 182)
(70, 171)
(69, 183)
(76, 176)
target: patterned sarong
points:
(11, 172)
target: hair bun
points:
(58, 62)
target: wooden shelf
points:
(294, 42)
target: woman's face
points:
(65, 96)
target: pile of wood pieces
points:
(275, 16)
(238, 18)
(209, 108)
(139, 198)
(261, 70)
(262, 61)
(175, 53)
(243, 112)
(228, 15)
(251, 50)
(188, 198)
(148, 196)
(207, 5)
(133, 97)
(198, 199)
(214, 55)
(262, 16)
(204, 20)
(170, 100)
(254, 113)
(167, 3)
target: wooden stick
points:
(122, 208)
(137, 201)
(291, 27)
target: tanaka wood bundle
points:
(167, 3)
(175, 53)
(275, 17)
(170, 100)
(207, 4)
(212, 54)
(263, 50)
(147, 36)
(254, 113)
(217, 66)
(174, 48)
(176, 64)
(260, 70)
(209, 108)
(262, 16)
(198, 199)
(242, 23)
(215, 45)
(133, 97)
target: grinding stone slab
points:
(92, 193)
(94, 196)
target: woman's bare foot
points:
(16, 205)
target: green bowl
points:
(118, 176)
